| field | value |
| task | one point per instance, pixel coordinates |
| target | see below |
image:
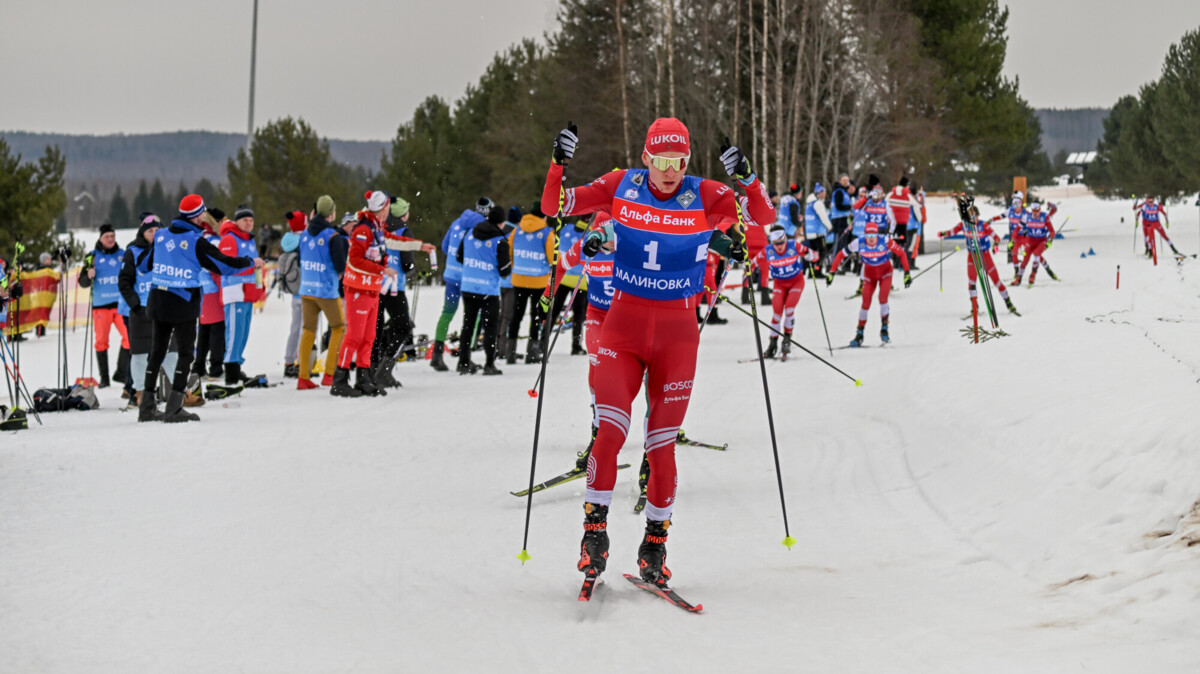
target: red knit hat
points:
(297, 221)
(191, 206)
(667, 134)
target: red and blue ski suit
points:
(650, 330)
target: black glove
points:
(591, 246)
(737, 250)
(15, 290)
(565, 143)
(736, 164)
(907, 279)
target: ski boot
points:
(175, 413)
(437, 362)
(102, 365)
(858, 339)
(1016, 282)
(786, 348)
(582, 460)
(1173, 250)
(577, 348)
(148, 407)
(883, 334)
(291, 371)
(652, 553)
(715, 318)
(366, 384)
(769, 352)
(340, 386)
(490, 369)
(533, 354)
(858, 293)
(1032, 276)
(465, 366)
(1053, 276)
(510, 352)
(593, 550)
(383, 374)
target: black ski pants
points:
(486, 310)
(396, 331)
(184, 333)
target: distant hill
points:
(1073, 130)
(184, 156)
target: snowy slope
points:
(1021, 505)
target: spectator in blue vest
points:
(179, 256)
(790, 212)
(817, 224)
(508, 296)
(533, 246)
(841, 211)
(323, 251)
(452, 275)
(485, 259)
(100, 270)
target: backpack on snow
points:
(60, 399)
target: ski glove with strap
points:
(726, 247)
(565, 144)
(907, 279)
(736, 164)
(545, 302)
(597, 238)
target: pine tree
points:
(118, 210)
(31, 195)
(160, 204)
(1174, 118)
(141, 201)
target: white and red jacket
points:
(901, 201)
(368, 257)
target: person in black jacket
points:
(486, 258)
(397, 330)
(133, 281)
(176, 262)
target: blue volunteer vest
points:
(812, 222)
(245, 248)
(395, 287)
(458, 229)
(318, 276)
(786, 265)
(1037, 226)
(834, 211)
(859, 227)
(175, 262)
(480, 273)
(664, 244)
(141, 283)
(783, 218)
(876, 255)
(208, 285)
(529, 252)
(104, 286)
(599, 272)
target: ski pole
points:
(562, 319)
(524, 555)
(716, 293)
(937, 264)
(14, 371)
(813, 274)
(762, 366)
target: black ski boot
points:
(787, 347)
(465, 366)
(102, 365)
(291, 371)
(746, 294)
(577, 347)
(383, 376)
(510, 352)
(883, 333)
(175, 413)
(593, 550)
(366, 384)
(1050, 272)
(341, 385)
(652, 553)
(1173, 250)
(772, 347)
(582, 460)
(122, 373)
(1011, 307)
(533, 354)
(716, 319)
(490, 369)
(437, 362)
(148, 407)
(233, 374)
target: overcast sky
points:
(136, 66)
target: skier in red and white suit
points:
(1152, 215)
(981, 237)
(875, 248)
(784, 260)
(663, 222)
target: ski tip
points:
(532, 393)
(524, 556)
(857, 383)
(789, 542)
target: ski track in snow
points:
(1027, 504)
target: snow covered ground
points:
(1027, 504)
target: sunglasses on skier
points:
(664, 163)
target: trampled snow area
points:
(1026, 504)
